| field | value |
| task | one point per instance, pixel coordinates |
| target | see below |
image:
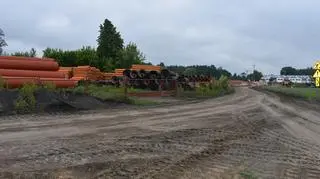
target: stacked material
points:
(108, 76)
(119, 72)
(67, 71)
(28, 63)
(142, 72)
(16, 71)
(145, 67)
(87, 73)
(17, 82)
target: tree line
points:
(112, 53)
(293, 71)
(212, 70)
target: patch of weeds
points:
(141, 102)
(246, 174)
(2, 83)
(78, 90)
(218, 88)
(49, 86)
(111, 93)
(26, 101)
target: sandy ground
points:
(218, 138)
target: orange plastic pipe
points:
(17, 82)
(28, 64)
(32, 73)
(25, 58)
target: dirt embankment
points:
(219, 138)
(47, 101)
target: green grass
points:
(218, 88)
(141, 102)
(113, 94)
(307, 93)
(205, 93)
(26, 101)
(248, 175)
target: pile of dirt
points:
(48, 101)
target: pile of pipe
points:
(17, 71)
(149, 77)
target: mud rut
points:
(217, 138)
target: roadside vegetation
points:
(246, 174)
(306, 93)
(112, 93)
(26, 101)
(217, 88)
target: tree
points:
(85, 56)
(3, 43)
(288, 71)
(294, 71)
(130, 55)
(255, 76)
(147, 63)
(190, 72)
(162, 65)
(31, 53)
(110, 43)
(202, 70)
(223, 72)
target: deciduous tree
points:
(130, 55)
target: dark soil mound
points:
(47, 101)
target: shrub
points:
(78, 90)
(223, 82)
(248, 175)
(217, 88)
(2, 83)
(26, 101)
(49, 86)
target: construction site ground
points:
(245, 132)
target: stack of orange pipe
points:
(67, 71)
(119, 72)
(146, 67)
(17, 82)
(17, 71)
(108, 76)
(87, 73)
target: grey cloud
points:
(232, 34)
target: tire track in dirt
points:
(210, 139)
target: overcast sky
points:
(234, 34)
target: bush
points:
(217, 88)
(49, 86)
(248, 175)
(78, 90)
(2, 83)
(26, 101)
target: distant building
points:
(298, 79)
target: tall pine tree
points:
(110, 43)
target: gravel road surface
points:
(247, 131)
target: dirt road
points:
(248, 131)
